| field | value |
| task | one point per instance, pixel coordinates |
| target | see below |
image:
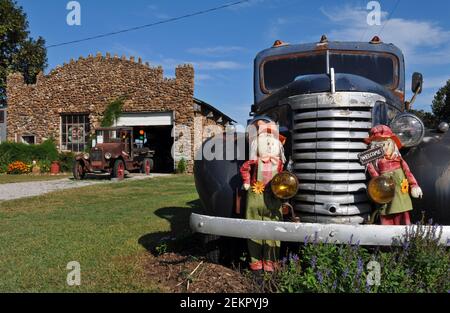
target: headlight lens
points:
(409, 129)
(381, 189)
(86, 156)
(284, 185)
(108, 155)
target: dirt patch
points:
(180, 273)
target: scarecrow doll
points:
(392, 165)
(266, 161)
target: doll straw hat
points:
(382, 132)
(264, 125)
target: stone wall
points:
(87, 86)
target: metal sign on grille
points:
(370, 155)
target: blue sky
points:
(222, 45)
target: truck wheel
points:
(221, 250)
(118, 170)
(146, 166)
(78, 170)
(213, 246)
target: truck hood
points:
(321, 83)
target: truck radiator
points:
(97, 155)
(328, 133)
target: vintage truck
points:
(326, 96)
(113, 152)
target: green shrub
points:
(112, 112)
(11, 152)
(418, 264)
(44, 165)
(181, 166)
(66, 161)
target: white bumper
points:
(369, 235)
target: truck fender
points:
(430, 164)
(218, 181)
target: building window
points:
(2, 116)
(74, 132)
(29, 139)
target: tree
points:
(428, 119)
(441, 103)
(18, 51)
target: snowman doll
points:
(392, 165)
(266, 160)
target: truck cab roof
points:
(280, 50)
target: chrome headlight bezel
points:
(409, 128)
(108, 155)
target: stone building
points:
(68, 104)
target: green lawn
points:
(104, 228)
(6, 179)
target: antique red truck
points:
(326, 96)
(114, 152)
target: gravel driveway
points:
(36, 188)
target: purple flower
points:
(284, 260)
(313, 261)
(320, 277)
(334, 284)
(360, 266)
(351, 240)
(295, 258)
(316, 235)
(405, 245)
(306, 239)
(345, 273)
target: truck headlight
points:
(108, 155)
(284, 185)
(381, 189)
(86, 156)
(409, 129)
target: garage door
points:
(146, 119)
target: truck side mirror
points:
(417, 83)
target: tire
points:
(146, 166)
(78, 170)
(213, 248)
(118, 170)
(222, 250)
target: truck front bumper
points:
(369, 235)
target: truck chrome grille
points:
(328, 135)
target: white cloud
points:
(202, 77)
(412, 36)
(215, 51)
(276, 26)
(155, 11)
(435, 82)
(245, 5)
(204, 65)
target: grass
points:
(7, 179)
(106, 228)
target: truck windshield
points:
(378, 67)
(104, 136)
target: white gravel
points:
(29, 189)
